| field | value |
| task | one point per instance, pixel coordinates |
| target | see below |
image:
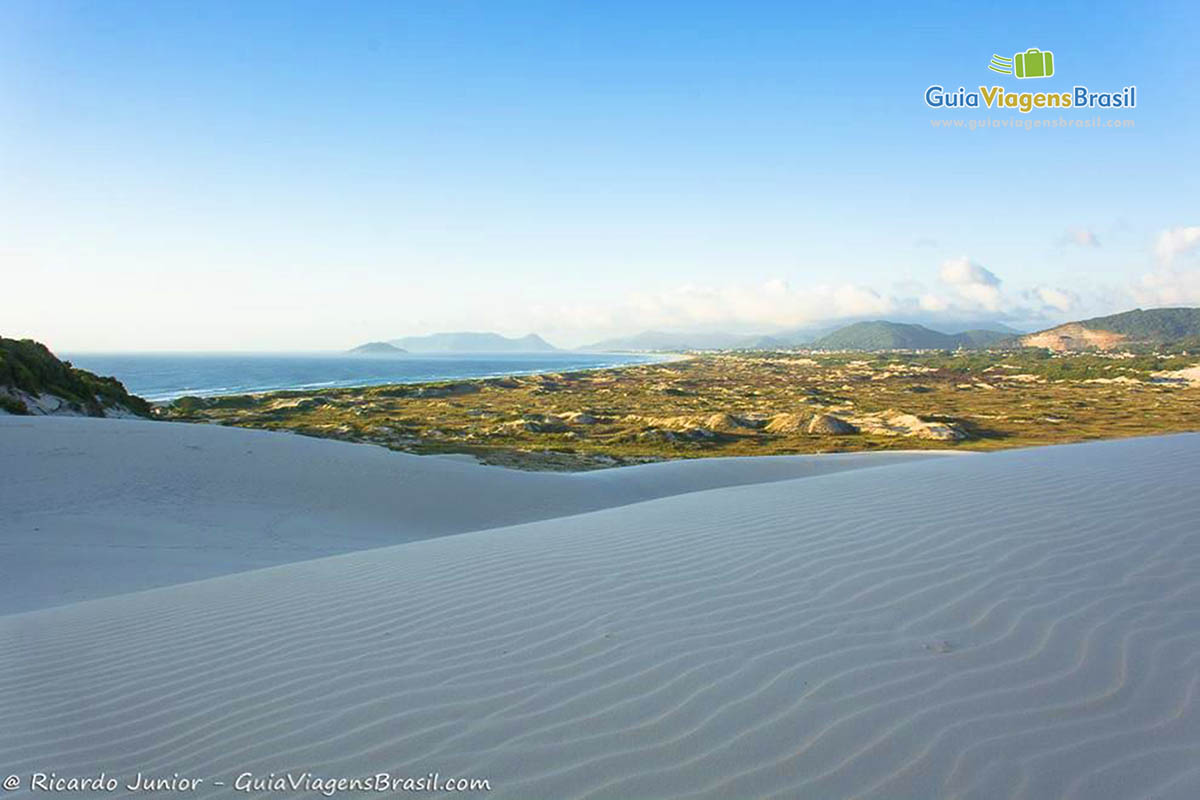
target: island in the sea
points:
(377, 349)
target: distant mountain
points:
(783, 340)
(659, 340)
(34, 381)
(764, 343)
(956, 325)
(1139, 326)
(377, 349)
(978, 339)
(798, 337)
(467, 342)
(883, 335)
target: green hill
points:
(1140, 328)
(883, 335)
(28, 367)
(1150, 325)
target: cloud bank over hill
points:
(964, 289)
(1176, 278)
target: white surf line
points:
(1021, 625)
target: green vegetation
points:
(12, 405)
(1044, 364)
(1151, 325)
(746, 404)
(883, 335)
(28, 366)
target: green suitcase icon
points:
(1034, 63)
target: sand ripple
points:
(1025, 624)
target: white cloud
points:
(1051, 299)
(973, 283)
(1168, 287)
(744, 308)
(966, 291)
(1171, 284)
(773, 303)
(963, 271)
(1175, 242)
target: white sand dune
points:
(90, 508)
(1023, 624)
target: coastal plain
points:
(751, 403)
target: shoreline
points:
(653, 359)
(515, 459)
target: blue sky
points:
(220, 176)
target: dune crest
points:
(90, 509)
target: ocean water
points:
(164, 376)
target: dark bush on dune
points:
(30, 367)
